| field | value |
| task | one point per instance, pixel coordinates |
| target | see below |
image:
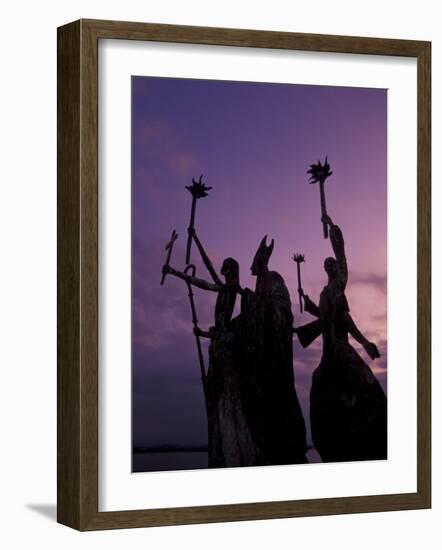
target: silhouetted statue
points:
(265, 353)
(230, 442)
(348, 408)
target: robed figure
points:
(230, 441)
(265, 353)
(348, 408)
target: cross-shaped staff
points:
(299, 258)
(169, 247)
(189, 269)
(319, 173)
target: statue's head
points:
(262, 257)
(330, 267)
(230, 269)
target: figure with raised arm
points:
(230, 442)
(348, 408)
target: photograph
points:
(218, 301)
(259, 274)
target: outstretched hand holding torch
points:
(198, 190)
(318, 174)
(299, 258)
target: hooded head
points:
(262, 257)
(230, 270)
(330, 267)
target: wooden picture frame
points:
(78, 274)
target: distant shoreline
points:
(170, 449)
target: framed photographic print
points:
(243, 275)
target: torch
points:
(299, 258)
(318, 174)
(198, 190)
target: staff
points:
(191, 268)
(299, 258)
(319, 173)
(198, 190)
(169, 247)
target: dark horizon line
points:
(169, 448)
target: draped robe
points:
(348, 408)
(265, 353)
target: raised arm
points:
(195, 281)
(369, 347)
(205, 258)
(337, 242)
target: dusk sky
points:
(254, 143)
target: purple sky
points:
(254, 143)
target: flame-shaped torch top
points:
(319, 172)
(198, 189)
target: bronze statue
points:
(230, 442)
(254, 416)
(348, 408)
(266, 357)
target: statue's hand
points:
(197, 331)
(309, 306)
(326, 219)
(372, 350)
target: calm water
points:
(179, 460)
(184, 460)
